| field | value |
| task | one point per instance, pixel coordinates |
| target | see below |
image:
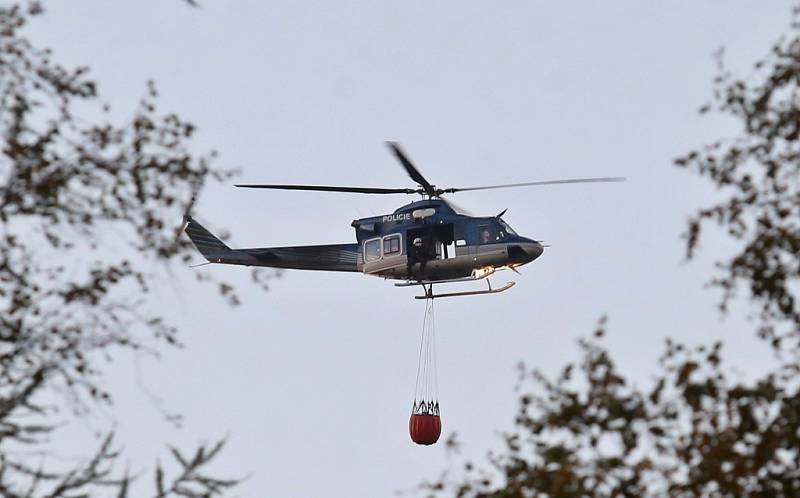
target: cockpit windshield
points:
(507, 228)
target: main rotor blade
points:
(532, 184)
(413, 172)
(327, 188)
(455, 207)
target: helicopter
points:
(426, 242)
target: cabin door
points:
(384, 254)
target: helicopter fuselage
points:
(424, 241)
(428, 240)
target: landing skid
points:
(431, 282)
(430, 295)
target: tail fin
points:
(208, 245)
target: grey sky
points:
(314, 379)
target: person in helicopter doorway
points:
(416, 254)
(422, 249)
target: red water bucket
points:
(425, 429)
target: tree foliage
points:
(590, 432)
(87, 202)
(759, 172)
(699, 430)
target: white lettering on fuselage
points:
(397, 217)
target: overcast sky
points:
(314, 379)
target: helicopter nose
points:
(525, 251)
(533, 249)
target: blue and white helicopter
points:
(423, 243)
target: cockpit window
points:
(485, 234)
(507, 228)
(490, 232)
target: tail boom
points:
(330, 257)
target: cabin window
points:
(372, 250)
(391, 245)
